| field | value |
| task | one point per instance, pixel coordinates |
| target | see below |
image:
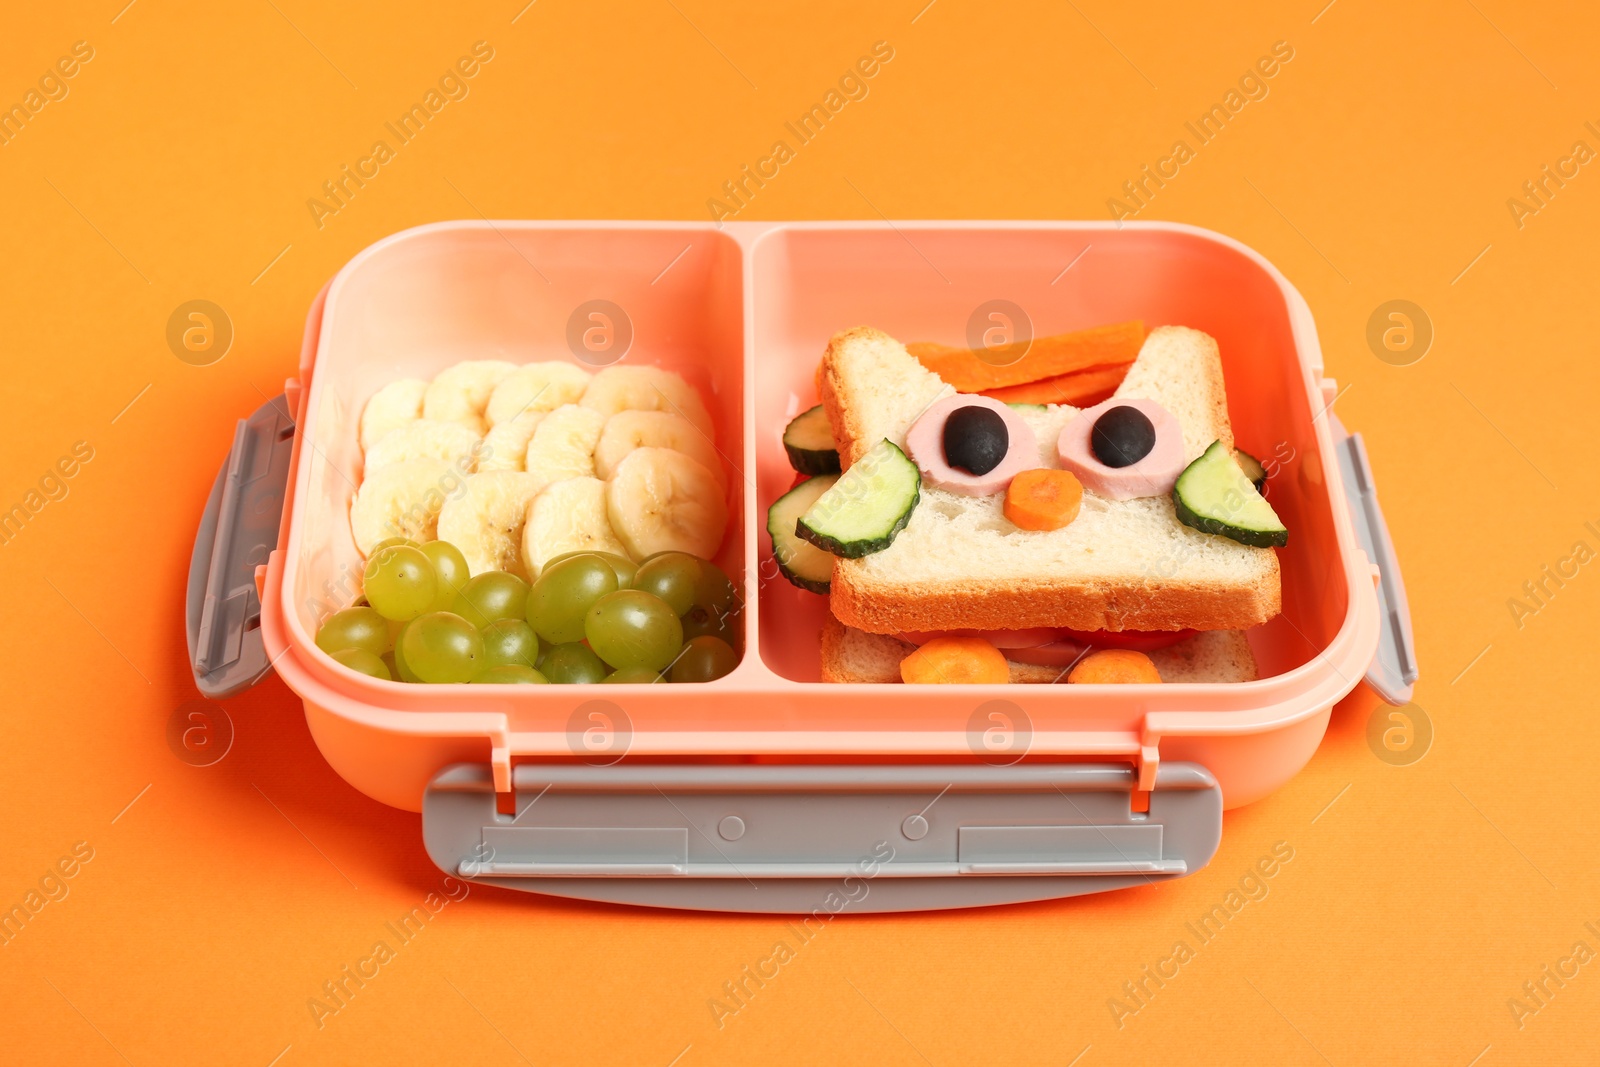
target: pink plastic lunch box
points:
(768, 790)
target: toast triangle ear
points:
(872, 388)
(1181, 369)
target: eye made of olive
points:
(975, 439)
(971, 445)
(1122, 436)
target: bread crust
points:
(888, 608)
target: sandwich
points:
(1046, 530)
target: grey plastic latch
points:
(1394, 669)
(805, 837)
(238, 530)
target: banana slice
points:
(628, 430)
(390, 408)
(568, 516)
(536, 387)
(461, 393)
(505, 448)
(563, 445)
(402, 500)
(647, 389)
(426, 439)
(486, 521)
(658, 499)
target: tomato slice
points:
(1137, 640)
(1003, 639)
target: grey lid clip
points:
(238, 530)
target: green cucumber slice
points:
(1252, 468)
(809, 441)
(801, 562)
(867, 507)
(1036, 409)
(1213, 494)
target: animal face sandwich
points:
(971, 539)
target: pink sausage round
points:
(1153, 475)
(925, 444)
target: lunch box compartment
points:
(926, 283)
(418, 303)
(644, 780)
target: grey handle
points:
(238, 530)
(1394, 669)
(781, 838)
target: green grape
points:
(702, 622)
(390, 665)
(391, 542)
(633, 676)
(491, 596)
(402, 670)
(400, 582)
(573, 662)
(715, 592)
(564, 594)
(359, 659)
(354, 628)
(631, 628)
(621, 564)
(510, 641)
(704, 659)
(673, 576)
(441, 647)
(510, 674)
(451, 567)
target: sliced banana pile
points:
(515, 465)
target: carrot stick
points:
(956, 661)
(1115, 666)
(1082, 389)
(1047, 357)
(1043, 499)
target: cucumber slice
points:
(809, 441)
(867, 507)
(801, 562)
(1035, 409)
(1252, 468)
(1214, 495)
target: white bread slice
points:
(1121, 565)
(851, 655)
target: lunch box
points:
(768, 790)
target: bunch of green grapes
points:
(590, 617)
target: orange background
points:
(1379, 167)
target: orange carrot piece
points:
(1047, 357)
(1081, 389)
(1043, 499)
(1115, 666)
(955, 661)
